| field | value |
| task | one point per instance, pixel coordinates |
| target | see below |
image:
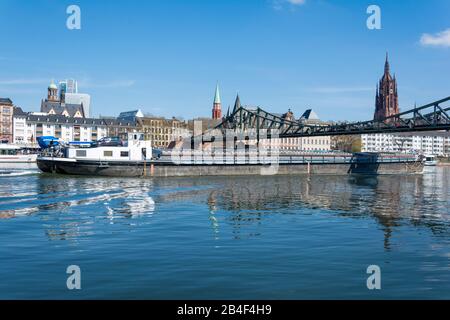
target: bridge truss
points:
(430, 117)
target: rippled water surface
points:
(289, 237)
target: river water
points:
(279, 237)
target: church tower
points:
(217, 105)
(52, 93)
(386, 100)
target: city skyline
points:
(333, 70)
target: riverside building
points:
(28, 126)
(161, 131)
(434, 143)
(66, 100)
(6, 123)
(309, 144)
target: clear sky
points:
(165, 56)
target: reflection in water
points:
(69, 202)
(420, 200)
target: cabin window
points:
(81, 153)
(107, 153)
(124, 153)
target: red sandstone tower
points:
(386, 101)
(217, 105)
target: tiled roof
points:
(6, 101)
(53, 118)
(131, 114)
(17, 111)
(59, 108)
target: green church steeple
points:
(217, 95)
(217, 105)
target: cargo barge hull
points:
(170, 169)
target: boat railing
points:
(52, 153)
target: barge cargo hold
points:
(357, 164)
(134, 159)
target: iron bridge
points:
(430, 117)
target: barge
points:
(135, 158)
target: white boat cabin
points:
(135, 149)
(430, 160)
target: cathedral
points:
(386, 101)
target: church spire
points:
(237, 103)
(386, 64)
(217, 105)
(217, 95)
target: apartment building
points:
(435, 143)
(6, 120)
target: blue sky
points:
(165, 56)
